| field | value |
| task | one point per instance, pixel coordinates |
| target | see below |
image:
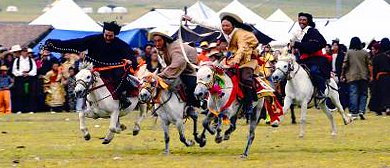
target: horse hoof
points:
(106, 141)
(135, 132)
(275, 124)
(300, 136)
(294, 122)
(202, 143)
(218, 139)
(123, 127)
(244, 156)
(87, 137)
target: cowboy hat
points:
(16, 48)
(160, 31)
(29, 50)
(234, 16)
(3, 68)
(204, 44)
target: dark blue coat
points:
(98, 49)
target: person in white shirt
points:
(25, 70)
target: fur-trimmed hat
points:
(112, 26)
(309, 18)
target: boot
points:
(123, 101)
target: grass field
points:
(53, 140)
(31, 9)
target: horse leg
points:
(194, 118)
(293, 118)
(180, 128)
(231, 128)
(142, 113)
(83, 128)
(252, 127)
(206, 123)
(303, 119)
(218, 137)
(113, 127)
(286, 105)
(165, 126)
(334, 97)
(330, 117)
(120, 126)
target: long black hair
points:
(355, 44)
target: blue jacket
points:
(5, 81)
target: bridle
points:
(290, 68)
(86, 85)
(150, 86)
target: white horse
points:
(300, 90)
(171, 110)
(99, 104)
(205, 80)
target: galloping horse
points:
(218, 100)
(299, 89)
(100, 103)
(171, 109)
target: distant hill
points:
(31, 9)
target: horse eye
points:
(208, 76)
(88, 77)
(285, 66)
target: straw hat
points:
(3, 68)
(29, 50)
(234, 16)
(160, 31)
(204, 44)
(16, 48)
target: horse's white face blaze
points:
(281, 67)
(85, 76)
(204, 77)
(148, 89)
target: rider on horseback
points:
(173, 58)
(241, 45)
(103, 50)
(309, 43)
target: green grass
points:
(31, 9)
(53, 140)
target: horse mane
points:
(87, 65)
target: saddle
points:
(110, 84)
(173, 85)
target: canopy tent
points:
(364, 21)
(156, 18)
(279, 16)
(135, 38)
(67, 15)
(201, 11)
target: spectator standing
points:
(356, 73)
(25, 70)
(54, 88)
(153, 65)
(6, 82)
(381, 74)
(70, 86)
(202, 56)
(337, 62)
(79, 62)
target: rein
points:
(289, 70)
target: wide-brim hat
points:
(160, 31)
(29, 50)
(234, 16)
(3, 68)
(15, 48)
(3, 49)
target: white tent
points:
(279, 16)
(88, 10)
(243, 12)
(67, 15)
(120, 9)
(12, 9)
(364, 22)
(104, 9)
(201, 11)
(156, 18)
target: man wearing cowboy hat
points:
(176, 64)
(103, 50)
(242, 46)
(309, 43)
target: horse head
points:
(205, 79)
(284, 66)
(149, 84)
(84, 81)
